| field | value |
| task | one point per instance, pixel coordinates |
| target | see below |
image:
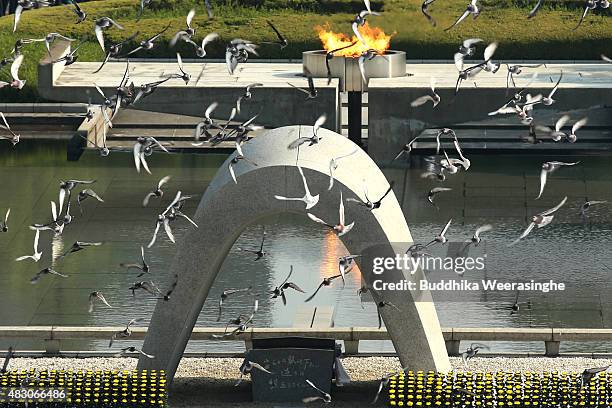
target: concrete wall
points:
(226, 209)
(392, 122)
(280, 106)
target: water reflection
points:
(57, 249)
(497, 190)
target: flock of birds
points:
(127, 93)
(522, 104)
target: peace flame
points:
(375, 38)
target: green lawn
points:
(547, 36)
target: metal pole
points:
(354, 117)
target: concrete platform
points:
(278, 103)
(389, 120)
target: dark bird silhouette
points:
(326, 282)
(260, 253)
(281, 40)
(330, 54)
(9, 354)
(4, 224)
(79, 246)
(143, 266)
(369, 204)
(280, 289)
(226, 294)
(425, 11)
(46, 271)
(124, 334)
(589, 373)
(93, 296)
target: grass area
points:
(547, 36)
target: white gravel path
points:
(359, 368)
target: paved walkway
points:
(213, 74)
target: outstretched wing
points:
(446, 227)
(154, 235)
(332, 164)
(425, 11)
(555, 208)
(533, 12)
(524, 234)
(584, 13)
(543, 176)
(100, 36)
(341, 210)
(483, 228)
(318, 220)
(421, 101)
(579, 124)
(168, 230)
(314, 294)
(459, 20)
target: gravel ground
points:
(359, 368)
(209, 382)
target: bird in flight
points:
(226, 294)
(549, 168)
(326, 282)
(368, 203)
(247, 367)
(540, 220)
(132, 349)
(311, 92)
(314, 139)
(4, 224)
(46, 271)
(472, 8)
(322, 395)
(341, 228)
(308, 198)
(37, 254)
(143, 267)
(125, 333)
(280, 289)
(157, 192)
(259, 252)
(93, 297)
(471, 352)
(333, 166)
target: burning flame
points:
(375, 38)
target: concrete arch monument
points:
(227, 208)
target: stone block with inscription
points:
(290, 368)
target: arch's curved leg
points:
(227, 208)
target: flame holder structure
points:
(391, 64)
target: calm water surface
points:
(499, 190)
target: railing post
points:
(552, 348)
(452, 347)
(52, 346)
(351, 347)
